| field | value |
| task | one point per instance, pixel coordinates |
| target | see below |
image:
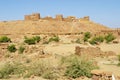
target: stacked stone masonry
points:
(36, 16)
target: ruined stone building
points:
(36, 16)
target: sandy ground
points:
(65, 49)
(107, 64)
(111, 47)
(62, 49)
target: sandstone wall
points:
(35, 16)
(92, 52)
(86, 18)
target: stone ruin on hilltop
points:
(36, 16)
(34, 24)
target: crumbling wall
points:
(92, 52)
(70, 19)
(86, 18)
(48, 18)
(35, 16)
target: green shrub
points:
(78, 66)
(5, 39)
(87, 35)
(36, 68)
(119, 60)
(100, 39)
(11, 48)
(109, 38)
(95, 40)
(29, 41)
(85, 39)
(11, 69)
(37, 38)
(55, 38)
(21, 49)
(118, 64)
(32, 40)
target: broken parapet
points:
(59, 17)
(48, 18)
(35, 16)
(86, 18)
(70, 19)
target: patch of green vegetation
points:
(109, 38)
(55, 38)
(39, 68)
(4, 39)
(87, 36)
(29, 41)
(11, 48)
(11, 69)
(119, 60)
(96, 40)
(21, 49)
(37, 38)
(32, 40)
(78, 66)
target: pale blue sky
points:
(106, 12)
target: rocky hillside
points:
(46, 26)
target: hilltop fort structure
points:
(34, 24)
(59, 17)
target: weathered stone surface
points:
(92, 52)
(100, 74)
(35, 16)
(34, 24)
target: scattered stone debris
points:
(101, 75)
(116, 41)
